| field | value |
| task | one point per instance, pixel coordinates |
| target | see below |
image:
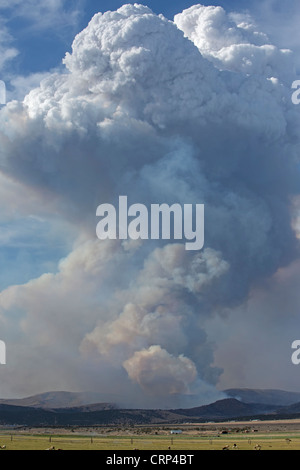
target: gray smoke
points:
(192, 111)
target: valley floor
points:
(247, 435)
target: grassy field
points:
(276, 441)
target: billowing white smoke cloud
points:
(156, 370)
(142, 111)
(232, 42)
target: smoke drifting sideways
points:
(192, 111)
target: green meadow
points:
(276, 441)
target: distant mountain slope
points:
(78, 409)
(268, 396)
(59, 400)
(35, 417)
(291, 409)
(227, 408)
(81, 416)
(96, 401)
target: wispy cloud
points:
(7, 49)
(33, 22)
(280, 20)
(43, 15)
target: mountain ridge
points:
(76, 409)
(59, 399)
(32, 416)
(66, 399)
(264, 396)
(221, 410)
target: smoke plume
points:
(192, 111)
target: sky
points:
(33, 28)
(165, 103)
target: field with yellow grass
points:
(272, 435)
